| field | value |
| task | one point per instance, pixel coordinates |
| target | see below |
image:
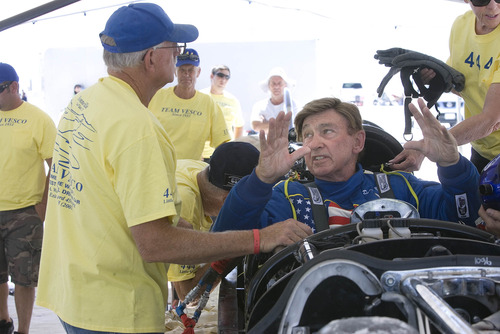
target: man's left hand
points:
(438, 144)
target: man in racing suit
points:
(333, 138)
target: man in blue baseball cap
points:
(185, 111)
(27, 135)
(113, 201)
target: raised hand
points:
(274, 160)
(438, 144)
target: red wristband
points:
(256, 241)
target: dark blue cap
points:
(190, 56)
(8, 73)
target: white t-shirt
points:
(264, 110)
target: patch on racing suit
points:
(383, 183)
(462, 206)
(316, 196)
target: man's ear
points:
(359, 141)
(148, 59)
(14, 86)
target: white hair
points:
(119, 61)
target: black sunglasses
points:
(482, 3)
(4, 86)
(222, 75)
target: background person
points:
(474, 52)
(113, 202)
(27, 135)
(268, 108)
(190, 117)
(231, 107)
(333, 137)
(77, 89)
(203, 188)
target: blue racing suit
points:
(255, 204)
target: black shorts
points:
(478, 160)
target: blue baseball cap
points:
(139, 26)
(8, 73)
(190, 56)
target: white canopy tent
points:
(320, 43)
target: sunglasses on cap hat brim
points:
(188, 56)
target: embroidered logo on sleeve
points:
(462, 205)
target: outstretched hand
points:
(275, 160)
(407, 160)
(438, 144)
(283, 234)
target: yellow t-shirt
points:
(233, 115)
(113, 168)
(478, 58)
(190, 122)
(27, 136)
(192, 210)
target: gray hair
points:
(119, 61)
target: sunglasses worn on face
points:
(482, 3)
(4, 86)
(222, 75)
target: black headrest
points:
(380, 147)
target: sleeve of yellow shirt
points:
(219, 132)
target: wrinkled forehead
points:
(329, 117)
(186, 68)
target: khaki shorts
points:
(21, 235)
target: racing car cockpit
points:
(388, 271)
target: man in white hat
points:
(263, 110)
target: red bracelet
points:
(256, 241)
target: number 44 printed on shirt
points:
(166, 194)
(470, 60)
